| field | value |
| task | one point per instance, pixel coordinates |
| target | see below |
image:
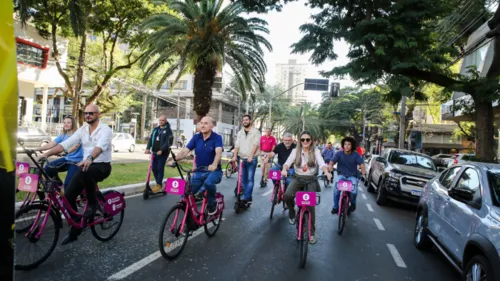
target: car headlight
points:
(394, 177)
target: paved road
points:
(376, 245)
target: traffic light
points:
(334, 89)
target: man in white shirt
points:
(247, 148)
(95, 138)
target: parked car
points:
(400, 175)
(461, 158)
(32, 137)
(441, 159)
(123, 141)
(459, 213)
(368, 164)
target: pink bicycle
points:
(305, 200)
(279, 188)
(39, 219)
(345, 188)
(185, 217)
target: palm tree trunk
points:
(203, 81)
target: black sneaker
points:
(212, 210)
(335, 211)
(352, 208)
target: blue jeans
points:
(61, 165)
(159, 162)
(207, 180)
(291, 172)
(247, 177)
(353, 194)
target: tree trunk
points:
(484, 130)
(77, 110)
(203, 81)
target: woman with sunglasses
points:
(74, 155)
(306, 159)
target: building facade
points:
(290, 74)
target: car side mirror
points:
(461, 194)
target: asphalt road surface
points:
(376, 245)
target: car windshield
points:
(494, 181)
(414, 160)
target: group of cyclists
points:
(88, 161)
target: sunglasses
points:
(90, 113)
(305, 140)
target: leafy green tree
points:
(200, 37)
(394, 39)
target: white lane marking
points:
(379, 224)
(267, 192)
(396, 256)
(131, 196)
(149, 259)
(364, 196)
(369, 207)
(360, 188)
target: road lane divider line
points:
(149, 259)
(364, 196)
(369, 207)
(268, 192)
(396, 256)
(379, 224)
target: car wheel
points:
(113, 148)
(381, 193)
(132, 148)
(420, 238)
(368, 183)
(478, 268)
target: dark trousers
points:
(87, 180)
(159, 162)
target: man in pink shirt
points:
(267, 144)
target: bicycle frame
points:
(281, 190)
(302, 211)
(342, 195)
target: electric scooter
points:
(148, 191)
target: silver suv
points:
(459, 213)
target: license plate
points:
(416, 192)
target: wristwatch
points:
(90, 158)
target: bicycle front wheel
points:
(304, 242)
(343, 214)
(31, 250)
(171, 240)
(274, 200)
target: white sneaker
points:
(291, 221)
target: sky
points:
(284, 31)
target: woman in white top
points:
(306, 159)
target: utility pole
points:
(402, 123)
(364, 129)
(143, 116)
(178, 113)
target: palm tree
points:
(200, 37)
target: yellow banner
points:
(8, 88)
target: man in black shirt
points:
(283, 150)
(160, 141)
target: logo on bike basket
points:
(306, 198)
(22, 168)
(175, 186)
(344, 185)
(275, 175)
(28, 182)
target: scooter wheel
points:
(237, 207)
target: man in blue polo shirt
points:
(208, 149)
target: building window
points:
(31, 54)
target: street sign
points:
(316, 85)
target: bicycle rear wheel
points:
(274, 201)
(171, 240)
(29, 248)
(343, 214)
(212, 227)
(304, 242)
